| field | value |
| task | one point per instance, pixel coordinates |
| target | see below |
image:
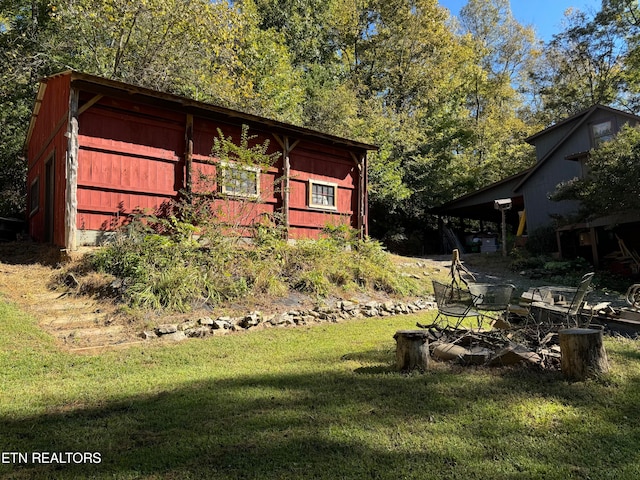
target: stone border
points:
(344, 310)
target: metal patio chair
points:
(492, 298)
(454, 302)
(568, 311)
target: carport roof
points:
(478, 205)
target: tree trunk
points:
(412, 350)
(583, 353)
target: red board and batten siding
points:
(133, 154)
(311, 161)
(130, 158)
(48, 141)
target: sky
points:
(545, 16)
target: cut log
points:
(449, 351)
(583, 353)
(512, 355)
(412, 350)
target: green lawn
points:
(317, 402)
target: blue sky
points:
(544, 15)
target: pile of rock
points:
(343, 310)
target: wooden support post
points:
(287, 185)
(412, 350)
(504, 232)
(71, 174)
(361, 165)
(583, 353)
(593, 236)
(287, 147)
(188, 155)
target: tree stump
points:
(412, 350)
(582, 353)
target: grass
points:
(317, 402)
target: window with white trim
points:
(323, 195)
(239, 181)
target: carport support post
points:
(504, 233)
(594, 247)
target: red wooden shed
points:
(98, 149)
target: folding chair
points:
(454, 302)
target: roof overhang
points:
(479, 205)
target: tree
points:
(583, 65)
(503, 52)
(623, 18)
(26, 28)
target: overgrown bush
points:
(176, 272)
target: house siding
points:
(556, 169)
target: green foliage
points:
(245, 153)
(588, 63)
(172, 271)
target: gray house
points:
(561, 153)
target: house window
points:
(34, 196)
(240, 181)
(323, 195)
(602, 132)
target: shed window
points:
(323, 194)
(240, 181)
(34, 196)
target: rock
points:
(347, 306)
(389, 306)
(188, 325)
(449, 351)
(250, 320)
(166, 329)
(149, 335)
(200, 332)
(371, 312)
(206, 321)
(175, 336)
(221, 325)
(514, 354)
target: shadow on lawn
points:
(342, 426)
(30, 253)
